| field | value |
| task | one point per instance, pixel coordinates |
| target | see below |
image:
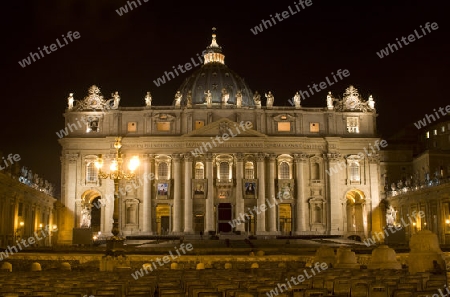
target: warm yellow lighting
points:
(55, 227)
(414, 224)
(21, 224)
(99, 163)
(40, 225)
(113, 166)
(134, 163)
(447, 221)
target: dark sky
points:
(126, 53)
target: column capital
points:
(72, 158)
(239, 157)
(188, 157)
(209, 157)
(373, 158)
(299, 158)
(333, 157)
(176, 157)
(260, 157)
(272, 157)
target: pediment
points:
(224, 125)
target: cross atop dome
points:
(214, 51)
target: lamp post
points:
(116, 173)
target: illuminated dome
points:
(214, 76)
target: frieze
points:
(295, 145)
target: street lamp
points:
(117, 173)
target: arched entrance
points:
(356, 214)
(91, 210)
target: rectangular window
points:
(284, 126)
(199, 124)
(443, 129)
(132, 127)
(435, 132)
(313, 127)
(427, 135)
(163, 126)
(352, 124)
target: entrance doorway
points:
(163, 219)
(224, 217)
(285, 218)
(356, 214)
(199, 223)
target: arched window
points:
(224, 171)
(354, 171)
(249, 170)
(91, 172)
(284, 170)
(199, 170)
(163, 170)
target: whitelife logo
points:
(33, 56)
(281, 16)
(411, 38)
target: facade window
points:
(427, 135)
(284, 126)
(163, 171)
(249, 170)
(92, 125)
(315, 173)
(199, 171)
(354, 171)
(443, 129)
(352, 124)
(224, 171)
(91, 172)
(199, 124)
(434, 132)
(314, 127)
(284, 170)
(132, 127)
(163, 126)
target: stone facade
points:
(21, 203)
(216, 156)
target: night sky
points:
(126, 53)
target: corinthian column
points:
(301, 206)
(272, 205)
(176, 228)
(336, 223)
(239, 199)
(209, 204)
(188, 194)
(147, 196)
(261, 215)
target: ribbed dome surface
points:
(216, 80)
(215, 77)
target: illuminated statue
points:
(116, 100)
(297, 100)
(70, 101)
(178, 98)
(85, 218)
(371, 103)
(148, 99)
(225, 96)
(270, 99)
(330, 101)
(208, 98)
(239, 99)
